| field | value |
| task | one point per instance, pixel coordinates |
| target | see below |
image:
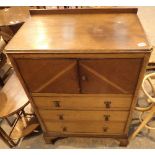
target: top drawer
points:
(97, 102)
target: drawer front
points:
(72, 115)
(85, 127)
(82, 102)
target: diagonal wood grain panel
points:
(103, 78)
(55, 77)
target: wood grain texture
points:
(117, 76)
(12, 97)
(14, 15)
(82, 102)
(135, 98)
(83, 115)
(82, 11)
(12, 60)
(66, 75)
(81, 32)
(77, 66)
(50, 75)
(85, 127)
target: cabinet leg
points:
(123, 142)
(52, 140)
(48, 140)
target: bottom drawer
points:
(85, 127)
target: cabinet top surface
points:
(83, 30)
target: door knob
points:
(84, 78)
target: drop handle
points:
(64, 129)
(106, 117)
(56, 103)
(107, 104)
(61, 117)
(105, 129)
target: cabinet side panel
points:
(138, 86)
(13, 62)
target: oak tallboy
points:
(81, 69)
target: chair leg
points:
(6, 138)
(10, 123)
(145, 121)
(1, 82)
(6, 141)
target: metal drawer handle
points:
(56, 103)
(61, 117)
(64, 129)
(107, 104)
(105, 129)
(106, 117)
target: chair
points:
(149, 110)
(151, 64)
(13, 102)
(3, 58)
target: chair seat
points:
(12, 97)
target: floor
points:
(146, 139)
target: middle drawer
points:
(72, 115)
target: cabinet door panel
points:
(109, 75)
(49, 75)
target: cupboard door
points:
(110, 75)
(47, 75)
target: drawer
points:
(83, 102)
(85, 127)
(72, 115)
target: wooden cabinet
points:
(81, 69)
